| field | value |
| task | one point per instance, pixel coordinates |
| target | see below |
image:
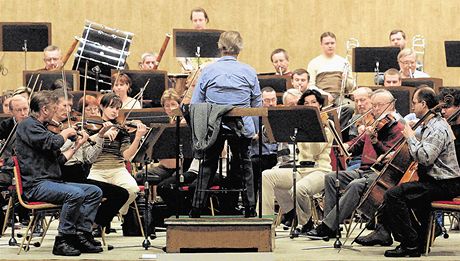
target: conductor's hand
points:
(67, 133)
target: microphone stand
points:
(198, 55)
(294, 233)
(96, 70)
(24, 48)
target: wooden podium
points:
(186, 235)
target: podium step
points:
(191, 235)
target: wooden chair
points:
(37, 208)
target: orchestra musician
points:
(375, 141)
(91, 106)
(148, 61)
(280, 61)
(199, 18)
(439, 179)
(392, 77)
(328, 71)
(300, 79)
(278, 181)
(19, 108)
(122, 87)
(117, 148)
(6, 104)
(76, 169)
(398, 38)
(52, 57)
(362, 97)
(228, 82)
(39, 156)
(407, 60)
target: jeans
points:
(79, 203)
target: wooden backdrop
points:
(264, 24)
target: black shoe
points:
(250, 212)
(63, 247)
(85, 246)
(195, 213)
(307, 227)
(401, 251)
(287, 218)
(321, 232)
(89, 236)
(380, 236)
(97, 231)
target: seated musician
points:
(439, 179)
(91, 106)
(375, 141)
(280, 61)
(19, 108)
(6, 103)
(52, 58)
(268, 158)
(39, 156)
(450, 111)
(122, 87)
(392, 77)
(362, 97)
(24, 91)
(76, 169)
(148, 61)
(327, 72)
(300, 79)
(278, 181)
(407, 60)
(110, 164)
(227, 82)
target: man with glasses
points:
(371, 145)
(408, 64)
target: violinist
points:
(39, 157)
(91, 106)
(450, 111)
(110, 164)
(439, 178)
(278, 181)
(360, 119)
(375, 141)
(76, 169)
(122, 87)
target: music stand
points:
(47, 78)
(15, 36)
(375, 59)
(147, 116)
(280, 83)
(452, 49)
(153, 91)
(294, 124)
(190, 42)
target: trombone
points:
(418, 44)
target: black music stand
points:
(295, 124)
(15, 37)
(153, 91)
(147, 116)
(452, 53)
(47, 78)
(375, 59)
(280, 83)
(142, 156)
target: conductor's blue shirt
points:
(229, 82)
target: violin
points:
(386, 121)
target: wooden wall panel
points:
(265, 25)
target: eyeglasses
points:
(408, 62)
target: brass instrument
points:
(418, 44)
(350, 44)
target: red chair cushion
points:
(447, 202)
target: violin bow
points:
(83, 113)
(137, 97)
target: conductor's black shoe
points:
(195, 213)
(250, 212)
(380, 236)
(85, 246)
(401, 251)
(64, 247)
(321, 231)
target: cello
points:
(399, 168)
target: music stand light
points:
(375, 59)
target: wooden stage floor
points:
(129, 248)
